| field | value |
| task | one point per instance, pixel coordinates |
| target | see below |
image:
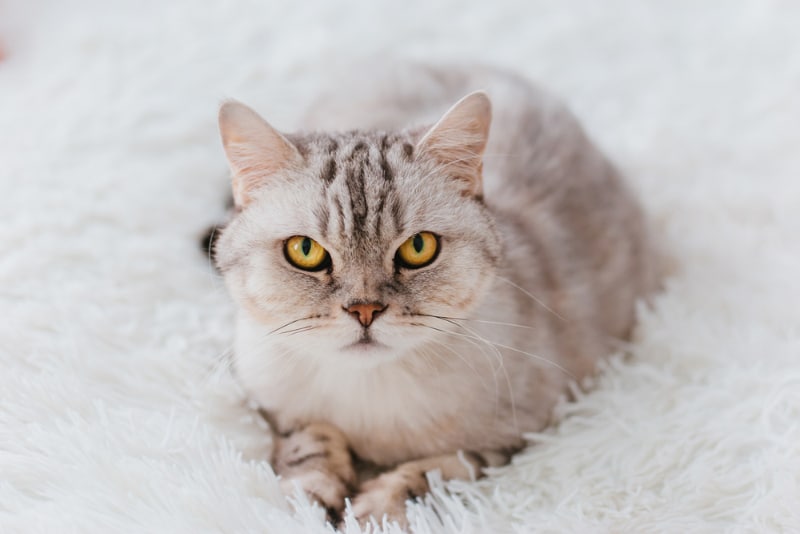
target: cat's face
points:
(346, 244)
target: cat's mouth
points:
(365, 343)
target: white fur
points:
(112, 418)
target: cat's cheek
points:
(274, 294)
(237, 283)
(250, 295)
(255, 309)
(457, 292)
(478, 288)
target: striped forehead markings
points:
(355, 167)
(388, 175)
(329, 168)
(362, 167)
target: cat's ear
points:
(255, 150)
(458, 140)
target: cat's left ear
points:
(458, 140)
(255, 150)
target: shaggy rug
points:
(116, 413)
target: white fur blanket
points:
(116, 417)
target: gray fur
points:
(536, 279)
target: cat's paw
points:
(317, 459)
(324, 487)
(388, 494)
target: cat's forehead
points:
(362, 180)
(376, 151)
(361, 192)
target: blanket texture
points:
(117, 413)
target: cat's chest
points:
(389, 415)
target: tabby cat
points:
(414, 291)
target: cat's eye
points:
(305, 253)
(417, 251)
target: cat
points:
(420, 274)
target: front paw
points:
(316, 459)
(387, 495)
(324, 487)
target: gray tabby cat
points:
(418, 292)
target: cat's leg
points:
(316, 458)
(388, 493)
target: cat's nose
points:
(365, 312)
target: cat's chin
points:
(369, 351)
(366, 345)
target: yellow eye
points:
(418, 251)
(305, 253)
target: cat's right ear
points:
(255, 150)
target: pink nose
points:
(365, 312)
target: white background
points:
(115, 415)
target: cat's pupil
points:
(306, 246)
(418, 243)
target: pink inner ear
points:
(255, 150)
(458, 140)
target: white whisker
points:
(482, 352)
(502, 367)
(496, 344)
(472, 366)
(531, 295)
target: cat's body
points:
(537, 271)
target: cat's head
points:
(346, 244)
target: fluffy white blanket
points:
(114, 413)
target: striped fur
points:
(543, 256)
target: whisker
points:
(482, 321)
(502, 367)
(428, 358)
(475, 370)
(290, 323)
(514, 349)
(531, 295)
(499, 323)
(300, 330)
(482, 352)
(497, 356)
(455, 352)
